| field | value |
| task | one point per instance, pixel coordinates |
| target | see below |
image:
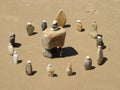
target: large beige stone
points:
(53, 38)
(61, 18)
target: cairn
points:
(93, 30)
(50, 70)
(52, 41)
(44, 25)
(99, 55)
(10, 49)
(69, 69)
(88, 63)
(12, 39)
(15, 57)
(79, 26)
(28, 68)
(30, 28)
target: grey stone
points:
(44, 25)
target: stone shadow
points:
(69, 51)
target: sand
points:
(14, 16)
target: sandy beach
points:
(14, 16)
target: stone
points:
(88, 63)
(61, 18)
(28, 68)
(47, 53)
(99, 55)
(69, 69)
(99, 41)
(10, 49)
(30, 28)
(15, 57)
(55, 24)
(79, 26)
(44, 25)
(53, 38)
(93, 30)
(12, 39)
(50, 70)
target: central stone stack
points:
(52, 41)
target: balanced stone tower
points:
(52, 41)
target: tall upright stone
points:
(93, 30)
(15, 57)
(61, 18)
(28, 68)
(99, 55)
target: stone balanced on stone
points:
(52, 42)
